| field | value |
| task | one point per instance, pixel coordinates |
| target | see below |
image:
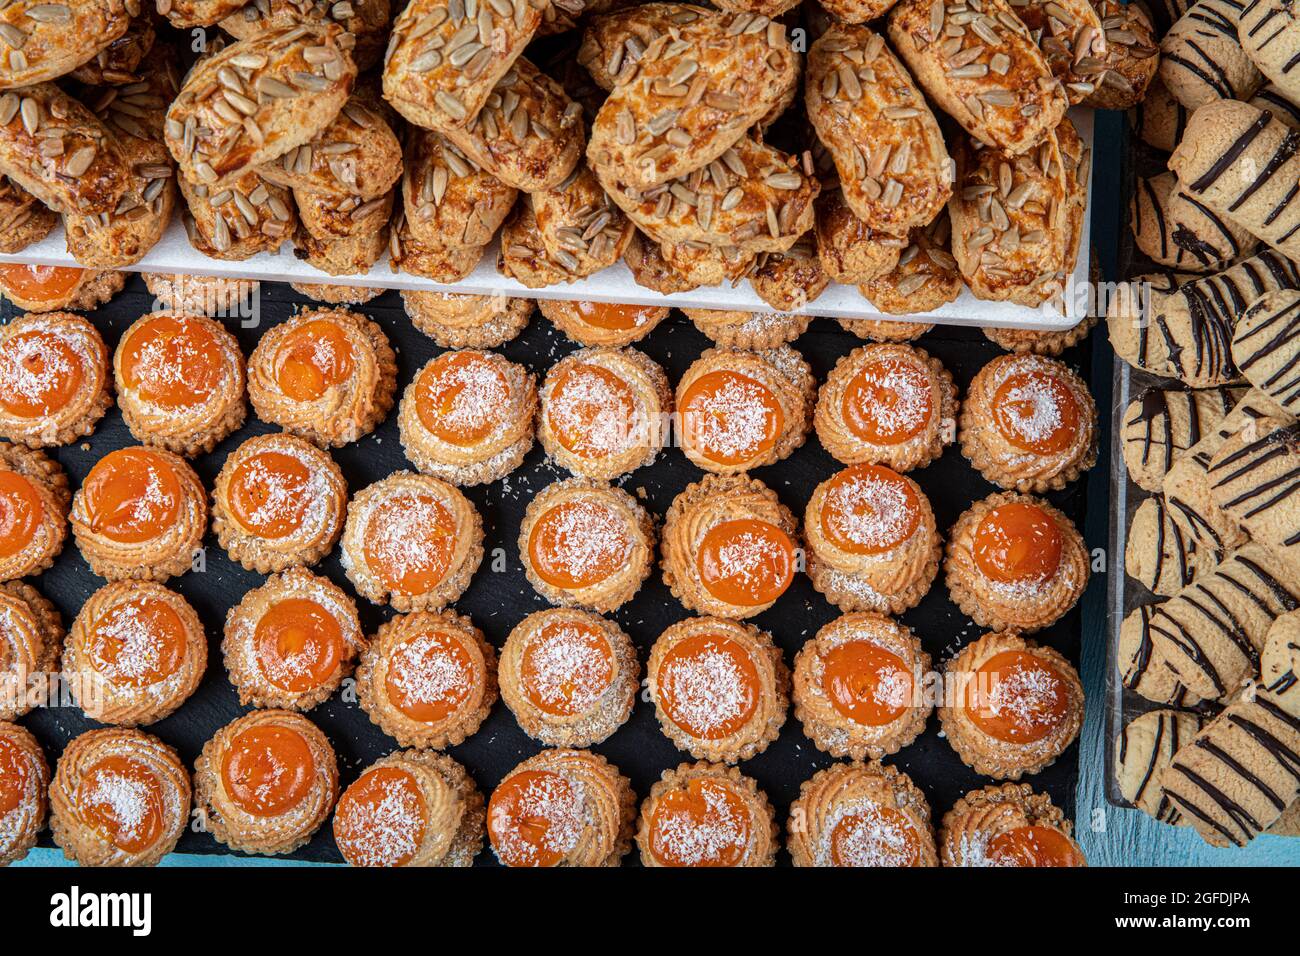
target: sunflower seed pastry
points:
(366, 21)
(43, 41)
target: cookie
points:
(1176, 230)
(1270, 34)
(1254, 475)
(1201, 58)
(1159, 120)
(1160, 554)
(1279, 664)
(1161, 425)
(1141, 668)
(1266, 347)
(1145, 747)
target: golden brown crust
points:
(523, 257)
(201, 295)
(331, 216)
(790, 280)
(448, 198)
(348, 256)
(650, 268)
(1130, 60)
(119, 60)
(885, 330)
(1072, 41)
(467, 321)
(613, 42)
(578, 225)
(197, 13)
(441, 262)
(46, 42)
(981, 815)
(23, 220)
(709, 841)
(49, 483)
(1040, 342)
(30, 644)
(216, 224)
(575, 319)
(366, 22)
(22, 823)
(753, 331)
(91, 289)
(925, 277)
(337, 294)
(28, 335)
(851, 252)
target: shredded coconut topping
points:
(592, 413)
(129, 801)
(1029, 695)
(427, 671)
(680, 836)
(910, 409)
(732, 422)
(469, 397)
(568, 668)
(750, 559)
(547, 816)
(138, 653)
(588, 538)
(407, 538)
(31, 370)
(860, 835)
(871, 512)
(707, 690)
(386, 831)
(1031, 409)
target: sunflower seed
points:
(936, 18)
(784, 180)
(309, 81)
(971, 71)
(9, 108)
(999, 63)
(12, 35)
(450, 105)
(31, 113)
(727, 102)
(1001, 98)
(683, 71)
(983, 28)
(982, 237)
(849, 84)
(463, 54)
(17, 60)
(912, 284)
(661, 122)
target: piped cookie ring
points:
(34, 500)
(54, 379)
(748, 330)
(467, 321)
(24, 786)
(31, 639)
(602, 323)
(1007, 825)
(706, 815)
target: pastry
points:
(706, 815)
(197, 13)
(330, 218)
(1264, 347)
(266, 782)
(119, 798)
(141, 513)
(411, 541)
(739, 410)
(604, 411)
(1251, 479)
(562, 808)
(614, 42)
(428, 679)
(1041, 341)
(720, 688)
(1028, 423)
(895, 172)
(54, 379)
(1004, 94)
(1269, 34)
(1173, 229)
(681, 266)
(1279, 664)
(579, 226)
(887, 405)
(790, 280)
(1010, 706)
(924, 278)
(1201, 57)
(467, 321)
(353, 255)
(1007, 825)
(34, 500)
(56, 288)
(290, 642)
(1162, 425)
(218, 227)
(587, 544)
(1142, 668)
(326, 374)
(135, 653)
(179, 381)
(1160, 120)
(278, 501)
(202, 295)
(467, 417)
(442, 263)
(336, 294)
(23, 220)
(1129, 59)
(730, 547)
(24, 786)
(1271, 98)
(884, 330)
(1013, 562)
(872, 540)
(858, 815)
(570, 677)
(31, 638)
(1161, 554)
(755, 331)
(53, 41)
(850, 251)
(859, 687)
(448, 198)
(366, 22)
(1146, 746)
(1072, 41)
(602, 323)
(411, 808)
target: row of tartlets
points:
(428, 677)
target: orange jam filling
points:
(534, 818)
(39, 373)
(39, 283)
(875, 836)
(566, 667)
(704, 824)
(312, 359)
(708, 686)
(1017, 697)
(132, 495)
(430, 676)
(137, 643)
(409, 543)
(173, 361)
(866, 683)
(269, 494)
(613, 316)
(299, 644)
(15, 776)
(730, 418)
(461, 397)
(122, 800)
(869, 509)
(21, 513)
(268, 771)
(591, 411)
(380, 819)
(746, 562)
(1036, 412)
(888, 402)
(1032, 846)
(1017, 543)
(578, 544)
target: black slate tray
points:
(496, 601)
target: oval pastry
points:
(119, 798)
(872, 541)
(859, 687)
(53, 379)
(755, 331)
(467, 417)
(136, 652)
(861, 814)
(266, 782)
(201, 295)
(1029, 424)
(1010, 706)
(31, 638)
(604, 411)
(602, 323)
(570, 677)
(24, 785)
(730, 548)
(141, 513)
(290, 643)
(180, 381)
(720, 688)
(34, 501)
(467, 321)
(706, 815)
(1007, 825)
(278, 501)
(326, 374)
(887, 405)
(562, 808)
(739, 410)
(411, 808)
(411, 541)
(1015, 563)
(428, 679)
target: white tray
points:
(174, 254)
